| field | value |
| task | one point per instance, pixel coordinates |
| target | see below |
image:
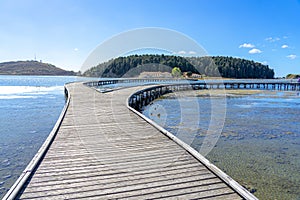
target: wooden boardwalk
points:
(103, 150)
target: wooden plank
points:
(118, 183)
(154, 189)
(126, 176)
(103, 150)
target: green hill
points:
(32, 68)
(228, 67)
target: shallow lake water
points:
(29, 107)
(259, 144)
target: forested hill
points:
(228, 67)
(32, 68)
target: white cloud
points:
(76, 49)
(255, 51)
(284, 46)
(192, 52)
(264, 62)
(246, 45)
(292, 56)
(271, 39)
(181, 52)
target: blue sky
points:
(65, 32)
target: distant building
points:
(193, 75)
(155, 75)
(196, 76)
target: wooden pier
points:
(268, 84)
(101, 148)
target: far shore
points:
(223, 92)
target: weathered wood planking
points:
(105, 151)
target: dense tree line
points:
(228, 67)
(133, 65)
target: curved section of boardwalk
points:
(104, 151)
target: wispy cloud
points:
(292, 56)
(271, 39)
(181, 52)
(246, 45)
(255, 51)
(76, 49)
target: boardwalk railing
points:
(209, 84)
(132, 80)
(141, 98)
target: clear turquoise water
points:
(259, 145)
(29, 108)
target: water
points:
(29, 107)
(259, 145)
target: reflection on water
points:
(260, 142)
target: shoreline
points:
(224, 93)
